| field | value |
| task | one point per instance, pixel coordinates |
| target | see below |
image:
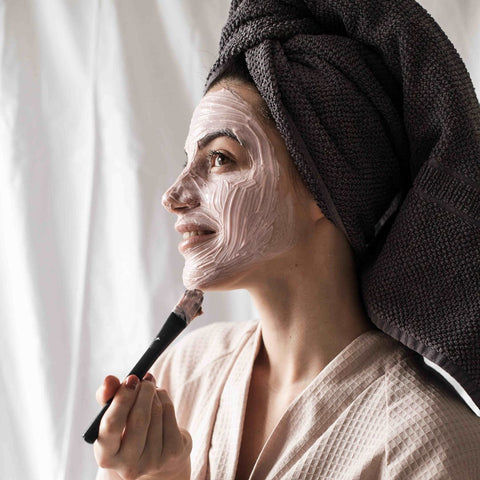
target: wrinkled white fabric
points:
(95, 101)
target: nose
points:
(181, 196)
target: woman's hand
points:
(139, 437)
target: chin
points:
(215, 282)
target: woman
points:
(312, 390)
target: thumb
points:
(187, 439)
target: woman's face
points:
(235, 200)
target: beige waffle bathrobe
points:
(374, 412)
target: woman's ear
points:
(315, 211)
(312, 209)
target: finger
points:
(175, 444)
(107, 390)
(154, 442)
(150, 378)
(138, 423)
(115, 418)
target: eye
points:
(218, 159)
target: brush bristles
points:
(190, 305)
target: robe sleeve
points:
(445, 463)
(432, 435)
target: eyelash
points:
(210, 156)
(214, 153)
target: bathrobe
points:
(374, 412)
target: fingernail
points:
(148, 377)
(132, 382)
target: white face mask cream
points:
(241, 205)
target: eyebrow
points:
(226, 132)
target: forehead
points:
(222, 113)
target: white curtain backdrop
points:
(95, 102)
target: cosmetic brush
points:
(189, 307)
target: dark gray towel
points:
(381, 119)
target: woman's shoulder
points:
(414, 389)
(428, 423)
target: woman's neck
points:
(309, 313)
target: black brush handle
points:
(169, 332)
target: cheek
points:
(234, 201)
(247, 210)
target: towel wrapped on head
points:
(382, 122)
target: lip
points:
(192, 241)
(193, 227)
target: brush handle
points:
(170, 330)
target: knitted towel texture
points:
(382, 122)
